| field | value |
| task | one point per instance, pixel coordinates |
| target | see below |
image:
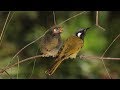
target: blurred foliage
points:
(26, 26)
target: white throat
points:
(79, 34)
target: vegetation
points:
(23, 27)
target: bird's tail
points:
(54, 67)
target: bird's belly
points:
(52, 53)
(73, 56)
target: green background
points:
(26, 26)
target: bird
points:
(70, 49)
(51, 42)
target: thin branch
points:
(97, 58)
(104, 54)
(25, 47)
(7, 26)
(97, 24)
(4, 27)
(33, 68)
(110, 45)
(27, 59)
(97, 21)
(73, 17)
(10, 19)
(8, 74)
(38, 56)
(18, 67)
(54, 18)
(28, 45)
(34, 64)
(97, 18)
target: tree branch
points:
(97, 21)
(73, 17)
(95, 58)
(3, 30)
(27, 59)
(105, 53)
(38, 56)
(97, 18)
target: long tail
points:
(54, 67)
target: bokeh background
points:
(26, 26)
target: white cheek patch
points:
(79, 34)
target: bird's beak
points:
(86, 29)
(61, 30)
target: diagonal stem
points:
(1, 35)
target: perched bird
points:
(70, 49)
(51, 42)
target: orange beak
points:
(61, 30)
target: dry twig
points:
(27, 59)
(38, 56)
(104, 54)
(3, 30)
(97, 21)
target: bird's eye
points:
(79, 34)
(56, 30)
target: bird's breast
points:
(71, 47)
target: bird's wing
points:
(71, 46)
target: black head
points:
(81, 33)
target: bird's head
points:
(81, 33)
(57, 30)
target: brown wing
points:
(71, 47)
